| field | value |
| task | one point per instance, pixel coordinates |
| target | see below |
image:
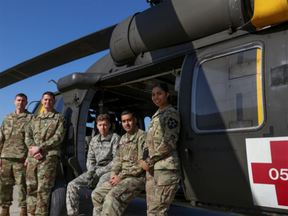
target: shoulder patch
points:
(172, 123)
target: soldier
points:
(13, 153)
(160, 158)
(101, 157)
(44, 136)
(127, 176)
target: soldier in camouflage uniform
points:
(101, 157)
(127, 176)
(44, 136)
(162, 164)
(13, 153)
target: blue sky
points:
(31, 27)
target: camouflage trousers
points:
(12, 170)
(161, 189)
(40, 179)
(112, 201)
(73, 189)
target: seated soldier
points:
(100, 159)
(127, 176)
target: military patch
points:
(172, 123)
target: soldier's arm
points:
(2, 139)
(29, 119)
(1, 143)
(29, 141)
(107, 168)
(136, 168)
(171, 128)
(58, 136)
(91, 159)
(117, 167)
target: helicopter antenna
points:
(52, 81)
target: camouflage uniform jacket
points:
(129, 158)
(12, 135)
(102, 153)
(162, 137)
(47, 130)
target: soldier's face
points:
(48, 102)
(128, 123)
(103, 127)
(160, 97)
(20, 102)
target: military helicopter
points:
(226, 65)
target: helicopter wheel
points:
(58, 199)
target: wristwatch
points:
(39, 147)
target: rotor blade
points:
(87, 45)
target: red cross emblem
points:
(275, 173)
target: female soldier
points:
(160, 158)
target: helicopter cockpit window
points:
(36, 108)
(227, 92)
(56, 100)
(60, 105)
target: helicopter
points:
(226, 65)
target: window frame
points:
(219, 54)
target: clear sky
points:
(29, 28)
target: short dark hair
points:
(103, 117)
(49, 93)
(126, 112)
(164, 87)
(21, 95)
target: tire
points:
(58, 199)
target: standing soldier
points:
(13, 153)
(161, 160)
(127, 176)
(101, 157)
(44, 136)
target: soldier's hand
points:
(33, 150)
(93, 182)
(26, 162)
(145, 166)
(90, 175)
(114, 180)
(38, 156)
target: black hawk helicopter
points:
(226, 65)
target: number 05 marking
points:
(274, 174)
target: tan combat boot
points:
(5, 211)
(23, 211)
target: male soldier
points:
(44, 136)
(101, 157)
(13, 153)
(127, 176)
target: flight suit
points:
(112, 201)
(47, 130)
(162, 137)
(100, 159)
(13, 152)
